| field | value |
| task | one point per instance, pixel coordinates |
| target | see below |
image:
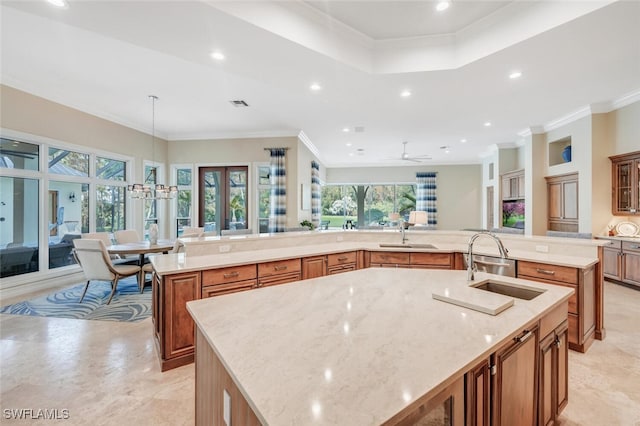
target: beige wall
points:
(624, 125)
(459, 189)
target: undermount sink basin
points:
(519, 292)
(424, 246)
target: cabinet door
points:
(623, 189)
(515, 383)
(506, 188)
(478, 382)
(570, 200)
(547, 392)
(521, 186)
(611, 263)
(562, 353)
(313, 267)
(555, 200)
(631, 264)
(178, 325)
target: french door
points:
(222, 198)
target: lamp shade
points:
(418, 217)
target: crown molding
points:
(233, 135)
(307, 142)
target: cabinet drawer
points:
(343, 268)
(220, 289)
(230, 274)
(396, 258)
(631, 246)
(341, 258)
(279, 279)
(441, 260)
(544, 271)
(279, 267)
(613, 244)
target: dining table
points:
(141, 248)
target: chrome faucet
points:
(471, 267)
(402, 231)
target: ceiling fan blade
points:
(415, 160)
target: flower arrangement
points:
(308, 224)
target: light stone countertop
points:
(175, 263)
(358, 347)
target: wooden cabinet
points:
(216, 282)
(392, 259)
(515, 382)
(513, 185)
(173, 325)
(431, 260)
(621, 261)
(625, 180)
(612, 260)
(314, 267)
(562, 203)
(279, 272)
(342, 262)
(582, 305)
(553, 379)
(631, 263)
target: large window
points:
(82, 192)
(363, 206)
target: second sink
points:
(524, 293)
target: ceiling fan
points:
(406, 157)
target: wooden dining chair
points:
(96, 265)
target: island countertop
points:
(360, 346)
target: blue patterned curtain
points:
(278, 197)
(426, 196)
(315, 194)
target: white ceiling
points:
(105, 58)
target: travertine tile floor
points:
(107, 373)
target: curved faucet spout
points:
(471, 268)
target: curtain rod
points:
(269, 149)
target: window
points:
(69, 163)
(110, 208)
(366, 205)
(19, 155)
(185, 198)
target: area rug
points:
(127, 304)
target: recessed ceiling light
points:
(351, 154)
(463, 141)
(487, 124)
(515, 74)
(58, 3)
(346, 129)
(348, 144)
(405, 93)
(315, 87)
(443, 5)
(217, 55)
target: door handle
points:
(527, 334)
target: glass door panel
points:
(624, 188)
(210, 200)
(237, 198)
(223, 198)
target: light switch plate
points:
(226, 408)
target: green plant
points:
(307, 224)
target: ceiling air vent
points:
(239, 104)
(358, 129)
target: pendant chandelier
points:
(159, 191)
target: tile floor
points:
(107, 373)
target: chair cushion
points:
(127, 269)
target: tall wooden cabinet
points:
(513, 185)
(562, 203)
(625, 180)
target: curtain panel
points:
(426, 198)
(278, 196)
(315, 194)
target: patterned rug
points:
(127, 304)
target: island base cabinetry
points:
(582, 305)
(173, 325)
(553, 395)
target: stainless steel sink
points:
(519, 292)
(424, 246)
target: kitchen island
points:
(373, 347)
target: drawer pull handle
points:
(634, 247)
(342, 258)
(280, 268)
(545, 271)
(527, 334)
(231, 274)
